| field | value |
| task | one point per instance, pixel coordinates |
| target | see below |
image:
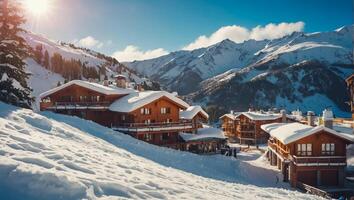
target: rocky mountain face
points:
(302, 70)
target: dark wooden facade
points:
(350, 84)
(156, 126)
(245, 130)
(312, 166)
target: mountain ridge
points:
(190, 72)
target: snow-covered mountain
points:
(294, 71)
(52, 156)
(43, 79)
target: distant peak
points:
(346, 28)
(227, 41)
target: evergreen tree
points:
(46, 59)
(13, 49)
(38, 54)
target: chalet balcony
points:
(319, 160)
(154, 127)
(279, 150)
(74, 105)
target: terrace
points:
(79, 105)
(153, 127)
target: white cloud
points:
(240, 34)
(131, 53)
(91, 42)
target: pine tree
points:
(46, 59)
(13, 48)
(38, 54)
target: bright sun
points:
(37, 7)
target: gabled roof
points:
(261, 116)
(137, 100)
(203, 134)
(231, 116)
(91, 86)
(191, 112)
(290, 132)
(349, 78)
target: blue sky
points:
(168, 25)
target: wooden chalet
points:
(311, 158)
(350, 84)
(245, 127)
(152, 116)
(206, 140)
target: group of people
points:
(229, 151)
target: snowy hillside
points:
(53, 156)
(211, 71)
(43, 79)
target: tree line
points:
(70, 69)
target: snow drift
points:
(51, 156)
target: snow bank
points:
(52, 156)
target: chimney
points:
(231, 112)
(310, 118)
(327, 118)
(121, 81)
(283, 116)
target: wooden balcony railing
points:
(154, 127)
(313, 190)
(76, 105)
(279, 150)
(320, 160)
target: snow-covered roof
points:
(92, 86)
(262, 116)
(192, 111)
(137, 100)
(231, 116)
(203, 134)
(291, 132)
(295, 117)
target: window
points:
(145, 111)
(147, 121)
(168, 110)
(83, 98)
(163, 110)
(304, 149)
(123, 117)
(95, 98)
(328, 149)
(168, 120)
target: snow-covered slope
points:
(42, 79)
(53, 156)
(209, 70)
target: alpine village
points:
(77, 124)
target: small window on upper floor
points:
(145, 111)
(304, 149)
(163, 110)
(328, 149)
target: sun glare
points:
(37, 7)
